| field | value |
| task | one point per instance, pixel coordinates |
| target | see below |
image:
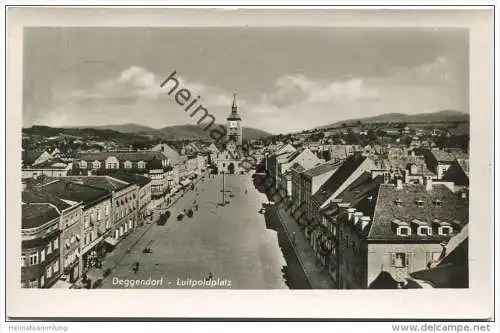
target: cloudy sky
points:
(286, 79)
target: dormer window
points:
(399, 202)
(401, 228)
(438, 203)
(424, 231)
(403, 231)
(419, 203)
(445, 230)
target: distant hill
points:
(199, 132)
(127, 128)
(87, 133)
(433, 117)
(132, 132)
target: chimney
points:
(350, 213)
(357, 216)
(365, 220)
(428, 183)
(399, 184)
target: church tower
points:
(234, 126)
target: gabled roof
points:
(37, 214)
(464, 164)
(131, 178)
(103, 182)
(70, 190)
(124, 156)
(37, 195)
(338, 178)
(30, 156)
(321, 169)
(453, 209)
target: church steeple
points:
(235, 107)
(234, 111)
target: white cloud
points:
(295, 103)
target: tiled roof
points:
(131, 178)
(30, 156)
(102, 182)
(448, 156)
(337, 179)
(134, 156)
(69, 190)
(37, 214)
(453, 209)
(321, 169)
(37, 195)
(464, 164)
(297, 167)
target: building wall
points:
(71, 226)
(46, 269)
(351, 258)
(96, 220)
(124, 211)
(382, 256)
(33, 173)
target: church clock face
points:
(233, 124)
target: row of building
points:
(379, 221)
(69, 223)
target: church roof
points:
(234, 111)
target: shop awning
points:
(111, 241)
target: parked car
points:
(180, 216)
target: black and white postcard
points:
(255, 162)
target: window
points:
(56, 244)
(55, 267)
(419, 203)
(424, 231)
(106, 211)
(399, 203)
(86, 221)
(399, 259)
(438, 203)
(48, 272)
(98, 215)
(49, 248)
(42, 255)
(33, 259)
(23, 261)
(403, 231)
(445, 230)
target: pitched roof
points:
(131, 178)
(447, 156)
(297, 167)
(103, 182)
(70, 190)
(464, 164)
(30, 156)
(321, 169)
(453, 209)
(36, 195)
(338, 178)
(37, 214)
(124, 156)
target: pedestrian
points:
(293, 237)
